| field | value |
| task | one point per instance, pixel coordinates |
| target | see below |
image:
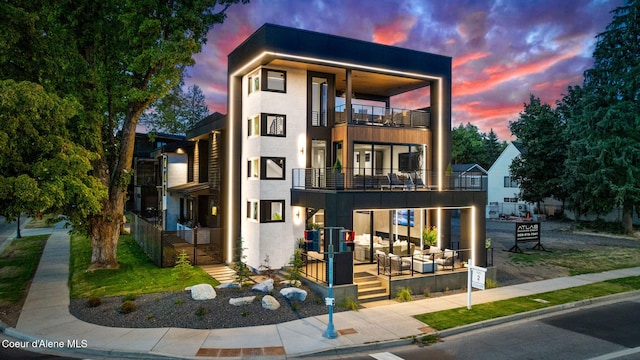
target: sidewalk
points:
(45, 315)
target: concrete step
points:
(373, 297)
(379, 290)
(368, 284)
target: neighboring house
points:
(503, 191)
(143, 190)
(469, 176)
(311, 137)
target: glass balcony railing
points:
(369, 115)
(381, 180)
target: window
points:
(253, 169)
(252, 209)
(272, 168)
(253, 83)
(510, 182)
(273, 125)
(276, 80)
(253, 126)
(271, 211)
(513, 200)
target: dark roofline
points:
(215, 121)
(519, 146)
(277, 38)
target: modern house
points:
(316, 134)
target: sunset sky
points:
(502, 50)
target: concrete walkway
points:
(45, 315)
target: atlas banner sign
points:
(528, 232)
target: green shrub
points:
(127, 307)
(426, 292)
(183, 266)
(404, 295)
(202, 311)
(128, 297)
(94, 301)
(350, 303)
(490, 283)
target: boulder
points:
(270, 303)
(203, 292)
(292, 293)
(241, 301)
(264, 286)
(295, 283)
(228, 285)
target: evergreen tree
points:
(603, 165)
(538, 169)
(492, 149)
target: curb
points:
(529, 315)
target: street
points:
(600, 332)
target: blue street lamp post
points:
(330, 301)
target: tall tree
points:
(177, 112)
(604, 130)
(493, 147)
(466, 145)
(116, 57)
(538, 169)
(41, 170)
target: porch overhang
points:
(190, 189)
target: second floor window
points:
(253, 126)
(272, 168)
(253, 83)
(274, 125)
(510, 182)
(253, 168)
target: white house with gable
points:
(502, 190)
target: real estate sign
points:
(527, 232)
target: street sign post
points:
(475, 279)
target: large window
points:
(275, 80)
(274, 125)
(272, 168)
(271, 211)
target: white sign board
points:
(477, 278)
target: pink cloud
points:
(464, 59)
(394, 32)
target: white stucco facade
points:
(262, 237)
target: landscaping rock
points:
(292, 293)
(264, 286)
(294, 283)
(270, 303)
(228, 285)
(241, 301)
(203, 292)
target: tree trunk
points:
(627, 216)
(104, 228)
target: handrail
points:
(382, 116)
(377, 179)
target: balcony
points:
(378, 180)
(368, 115)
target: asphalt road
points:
(602, 332)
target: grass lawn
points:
(447, 319)
(579, 261)
(18, 264)
(136, 275)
